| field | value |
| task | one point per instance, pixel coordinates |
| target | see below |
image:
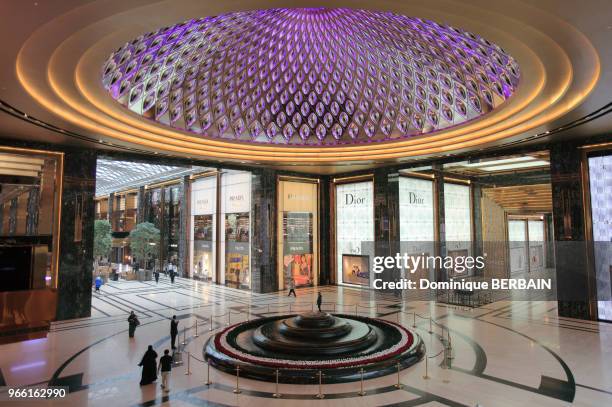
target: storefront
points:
(417, 220)
(203, 240)
(354, 232)
(298, 232)
(235, 238)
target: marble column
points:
(386, 219)
(141, 211)
(184, 226)
(477, 217)
(575, 279)
(325, 231)
(32, 213)
(76, 256)
(264, 278)
(440, 218)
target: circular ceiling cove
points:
(313, 77)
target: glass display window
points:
(298, 238)
(236, 218)
(354, 232)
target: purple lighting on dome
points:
(315, 76)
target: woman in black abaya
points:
(149, 367)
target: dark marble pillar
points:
(141, 210)
(32, 214)
(477, 217)
(111, 207)
(386, 219)
(440, 218)
(326, 257)
(575, 280)
(263, 232)
(550, 240)
(184, 225)
(13, 216)
(76, 256)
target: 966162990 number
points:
(37, 393)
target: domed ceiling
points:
(313, 77)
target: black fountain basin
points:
(299, 346)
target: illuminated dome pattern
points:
(310, 76)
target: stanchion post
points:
(320, 395)
(430, 330)
(237, 389)
(207, 382)
(426, 377)
(211, 322)
(184, 336)
(398, 385)
(277, 394)
(196, 329)
(414, 319)
(188, 371)
(361, 391)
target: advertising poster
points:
(203, 239)
(202, 247)
(297, 248)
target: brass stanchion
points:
(276, 392)
(426, 377)
(320, 395)
(237, 389)
(188, 371)
(361, 391)
(414, 319)
(196, 329)
(184, 337)
(398, 385)
(207, 382)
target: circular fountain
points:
(300, 346)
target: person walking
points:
(319, 301)
(149, 367)
(156, 274)
(172, 273)
(291, 286)
(133, 323)
(99, 283)
(165, 365)
(173, 331)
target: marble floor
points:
(504, 354)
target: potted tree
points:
(144, 241)
(102, 245)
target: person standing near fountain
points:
(291, 285)
(319, 301)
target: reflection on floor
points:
(505, 354)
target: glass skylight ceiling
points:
(112, 175)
